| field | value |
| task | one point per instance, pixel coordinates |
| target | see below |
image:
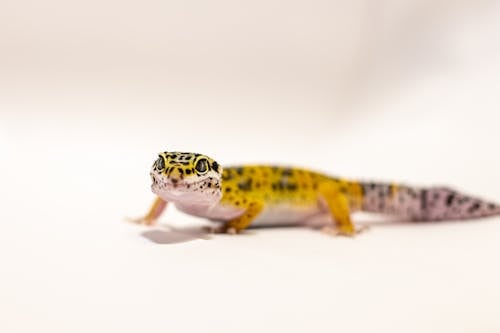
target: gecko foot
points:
(231, 231)
(220, 229)
(214, 229)
(334, 231)
(141, 221)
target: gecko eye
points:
(202, 166)
(160, 163)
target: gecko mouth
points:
(169, 185)
(181, 191)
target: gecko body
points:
(262, 195)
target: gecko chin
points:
(204, 191)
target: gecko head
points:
(186, 178)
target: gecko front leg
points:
(153, 214)
(252, 210)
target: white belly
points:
(285, 215)
(271, 215)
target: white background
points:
(91, 91)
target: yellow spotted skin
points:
(273, 185)
(241, 195)
(256, 185)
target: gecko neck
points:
(195, 208)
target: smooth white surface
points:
(81, 121)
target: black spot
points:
(449, 199)
(237, 203)
(491, 206)
(173, 156)
(209, 184)
(291, 187)
(246, 185)
(281, 185)
(215, 166)
(361, 189)
(228, 189)
(463, 200)
(239, 171)
(287, 172)
(423, 200)
(188, 172)
(372, 186)
(474, 207)
(180, 171)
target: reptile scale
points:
(265, 195)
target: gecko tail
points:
(425, 204)
(442, 203)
